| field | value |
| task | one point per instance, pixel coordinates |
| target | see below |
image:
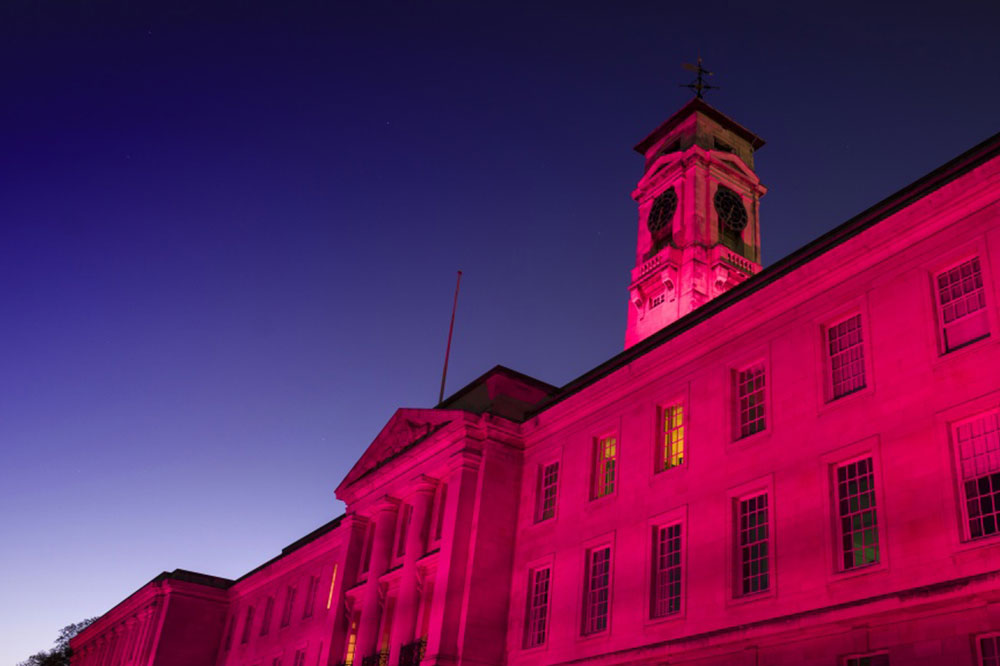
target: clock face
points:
(730, 209)
(662, 213)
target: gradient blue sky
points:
(229, 234)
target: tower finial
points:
(698, 85)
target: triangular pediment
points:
(407, 428)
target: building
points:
(794, 465)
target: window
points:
(286, 613)
(750, 400)
(753, 545)
(856, 511)
(977, 445)
(548, 484)
(670, 453)
(442, 496)
(229, 632)
(404, 525)
(666, 578)
(333, 583)
(366, 554)
(961, 305)
(989, 650)
(536, 626)
(352, 642)
(300, 657)
(246, 626)
(265, 622)
(868, 660)
(597, 590)
(847, 357)
(311, 596)
(276, 661)
(605, 454)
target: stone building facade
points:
(791, 465)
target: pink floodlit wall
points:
(174, 620)
(754, 415)
(283, 613)
(806, 470)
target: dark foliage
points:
(59, 656)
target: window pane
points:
(753, 544)
(750, 390)
(978, 446)
(847, 356)
(667, 570)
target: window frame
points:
(943, 349)
(962, 501)
(542, 564)
(596, 460)
(288, 608)
(266, 616)
(676, 516)
(977, 640)
(975, 247)
(870, 447)
(583, 616)
(734, 596)
(659, 434)
(540, 487)
(736, 438)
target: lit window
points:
(847, 356)
(605, 454)
(333, 583)
(856, 510)
(286, 613)
(989, 650)
(961, 305)
(868, 660)
(352, 643)
(548, 484)
(671, 451)
(597, 590)
(536, 627)
(977, 444)
(666, 598)
(246, 626)
(753, 545)
(311, 596)
(750, 393)
(300, 658)
(265, 622)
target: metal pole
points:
(451, 328)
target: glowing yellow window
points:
(672, 453)
(605, 454)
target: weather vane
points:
(699, 85)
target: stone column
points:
(385, 523)
(449, 581)
(408, 603)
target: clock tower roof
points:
(698, 105)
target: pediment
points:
(406, 428)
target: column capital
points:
(386, 504)
(424, 484)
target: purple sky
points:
(228, 238)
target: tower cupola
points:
(699, 227)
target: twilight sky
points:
(229, 235)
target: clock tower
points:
(699, 225)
